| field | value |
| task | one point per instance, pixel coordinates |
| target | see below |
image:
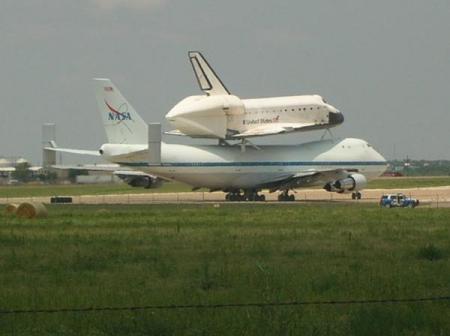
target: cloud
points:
(131, 4)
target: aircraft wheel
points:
(291, 198)
(358, 195)
(353, 196)
(262, 198)
(282, 198)
(234, 197)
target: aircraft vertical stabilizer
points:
(48, 138)
(123, 125)
(207, 79)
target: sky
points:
(384, 64)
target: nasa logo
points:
(119, 116)
(116, 114)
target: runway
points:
(429, 197)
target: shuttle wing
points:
(207, 79)
(273, 129)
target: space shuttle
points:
(136, 153)
(219, 114)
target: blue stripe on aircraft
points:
(258, 164)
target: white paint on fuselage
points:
(281, 110)
(227, 167)
(226, 115)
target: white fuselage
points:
(227, 167)
(225, 116)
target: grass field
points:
(85, 189)
(409, 182)
(83, 256)
(104, 189)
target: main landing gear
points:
(248, 195)
(285, 197)
(356, 195)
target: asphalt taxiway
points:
(429, 196)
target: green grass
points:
(103, 189)
(85, 189)
(181, 254)
(409, 182)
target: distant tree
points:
(73, 173)
(22, 172)
(48, 176)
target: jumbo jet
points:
(222, 115)
(342, 166)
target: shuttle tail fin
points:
(123, 125)
(207, 79)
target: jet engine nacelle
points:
(141, 181)
(144, 182)
(205, 116)
(353, 182)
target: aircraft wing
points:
(175, 132)
(114, 168)
(272, 129)
(134, 178)
(207, 79)
(307, 178)
(73, 151)
(90, 167)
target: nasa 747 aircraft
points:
(342, 166)
(221, 115)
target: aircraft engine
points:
(353, 182)
(146, 182)
(205, 116)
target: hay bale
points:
(11, 208)
(31, 210)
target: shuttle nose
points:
(335, 118)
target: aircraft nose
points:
(335, 118)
